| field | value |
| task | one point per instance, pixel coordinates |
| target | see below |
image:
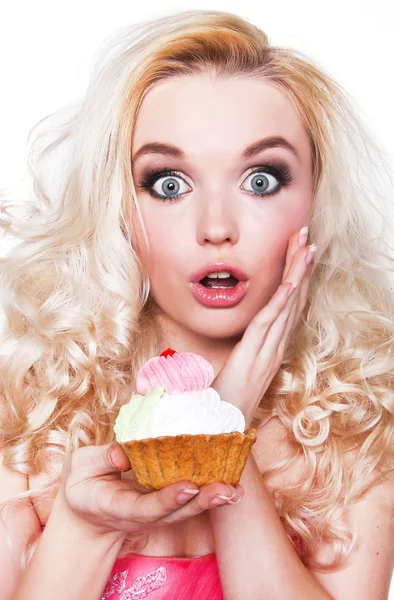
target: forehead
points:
(201, 113)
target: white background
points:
(46, 50)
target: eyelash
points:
(278, 170)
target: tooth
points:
(220, 275)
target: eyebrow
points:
(252, 150)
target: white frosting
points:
(195, 412)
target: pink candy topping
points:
(175, 372)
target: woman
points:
(201, 148)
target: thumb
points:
(94, 461)
(118, 458)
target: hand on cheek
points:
(256, 359)
(298, 270)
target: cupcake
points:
(177, 428)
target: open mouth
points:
(219, 280)
(219, 290)
(219, 285)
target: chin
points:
(220, 323)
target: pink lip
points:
(219, 297)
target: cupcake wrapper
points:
(202, 458)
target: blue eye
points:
(264, 176)
(263, 181)
(169, 186)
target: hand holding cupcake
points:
(177, 427)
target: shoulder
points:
(369, 570)
(371, 517)
(276, 444)
(18, 523)
(12, 484)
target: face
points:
(220, 207)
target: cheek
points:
(268, 244)
(270, 263)
(161, 239)
(169, 246)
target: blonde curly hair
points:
(77, 310)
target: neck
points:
(215, 350)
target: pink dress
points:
(135, 577)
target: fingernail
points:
(302, 236)
(219, 499)
(115, 462)
(311, 254)
(291, 289)
(241, 491)
(186, 495)
(235, 501)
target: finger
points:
(305, 282)
(128, 505)
(118, 457)
(297, 309)
(211, 496)
(256, 332)
(276, 333)
(158, 507)
(299, 266)
(255, 335)
(303, 297)
(93, 461)
(279, 332)
(301, 271)
(293, 246)
(298, 240)
(290, 325)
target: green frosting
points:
(135, 417)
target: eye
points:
(164, 182)
(268, 179)
(167, 185)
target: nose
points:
(217, 221)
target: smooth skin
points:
(256, 359)
(93, 487)
(215, 218)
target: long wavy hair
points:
(78, 316)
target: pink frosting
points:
(181, 372)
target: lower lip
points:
(219, 297)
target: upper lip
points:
(216, 268)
